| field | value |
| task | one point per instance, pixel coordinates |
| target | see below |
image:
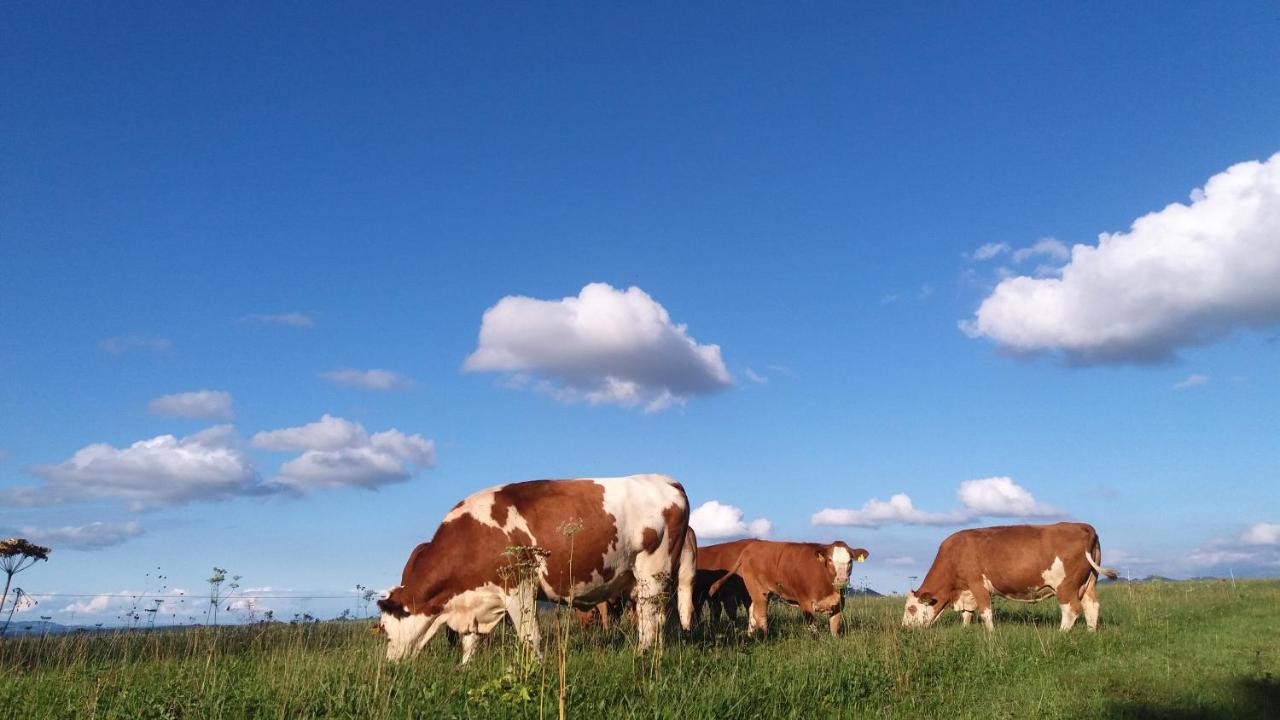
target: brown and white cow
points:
(1027, 563)
(609, 612)
(749, 572)
(630, 537)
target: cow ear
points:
(926, 598)
(392, 607)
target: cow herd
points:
(597, 543)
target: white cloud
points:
(755, 377)
(202, 404)
(603, 346)
(121, 344)
(1051, 248)
(1191, 381)
(83, 537)
(900, 561)
(1262, 534)
(164, 470)
(374, 379)
(1182, 276)
(1000, 497)
(338, 452)
(874, 513)
(211, 465)
(988, 497)
(988, 251)
(291, 319)
(713, 519)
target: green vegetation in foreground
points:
(1182, 650)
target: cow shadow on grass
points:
(1252, 698)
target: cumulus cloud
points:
(212, 465)
(988, 497)
(374, 379)
(603, 346)
(713, 519)
(120, 344)
(1191, 381)
(93, 536)
(1262, 534)
(1050, 248)
(201, 404)
(1183, 276)
(338, 452)
(164, 470)
(290, 319)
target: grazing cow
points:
(614, 534)
(749, 572)
(1027, 563)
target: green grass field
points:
(1180, 650)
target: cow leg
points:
(982, 600)
(837, 619)
(1090, 603)
(522, 608)
(469, 642)
(758, 613)
(651, 569)
(966, 617)
(1070, 605)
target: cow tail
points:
(715, 586)
(1088, 555)
(686, 571)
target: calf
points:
(808, 575)
(593, 539)
(1027, 563)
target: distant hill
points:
(862, 592)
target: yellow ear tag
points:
(862, 558)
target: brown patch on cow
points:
(393, 608)
(582, 500)
(1009, 560)
(433, 575)
(649, 540)
(501, 503)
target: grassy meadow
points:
(1176, 650)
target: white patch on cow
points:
(916, 613)
(1056, 573)
(988, 619)
(477, 610)
(842, 559)
(966, 602)
(1090, 603)
(407, 635)
(987, 584)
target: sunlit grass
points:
(1173, 650)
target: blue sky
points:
(242, 199)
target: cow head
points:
(921, 610)
(406, 628)
(839, 558)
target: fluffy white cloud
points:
(202, 404)
(988, 497)
(211, 465)
(121, 344)
(1000, 497)
(374, 379)
(164, 470)
(1191, 381)
(83, 537)
(1262, 534)
(338, 452)
(291, 319)
(603, 346)
(713, 519)
(1182, 276)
